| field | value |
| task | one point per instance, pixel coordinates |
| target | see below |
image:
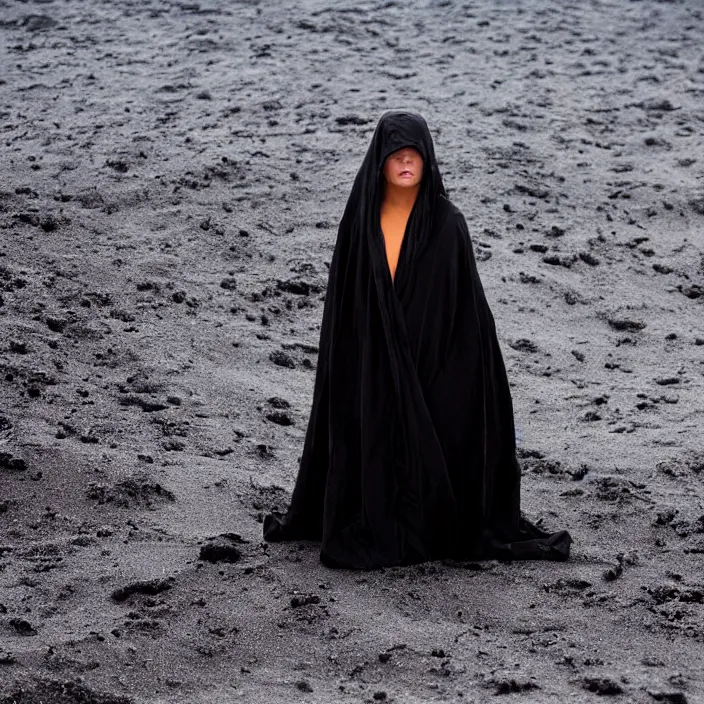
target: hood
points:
(396, 129)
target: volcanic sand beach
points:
(171, 182)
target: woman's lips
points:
(406, 174)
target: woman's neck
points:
(399, 198)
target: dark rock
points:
(352, 120)
(304, 600)
(613, 488)
(150, 587)
(567, 586)
(667, 380)
(533, 191)
(580, 472)
(148, 286)
(222, 548)
(282, 359)
(510, 685)
(602, 685)
(524, 452)
(140, 490)
(278, 402)
(173, 445)
(298, 286)
(656, 104)
(305, 347)
(18, 347)
(118, 165)
(589, 258)
(667, 592)
(280, 418)
(264, 450)
(613, 573)
(29, 218)
(56, 324)
(528, 278)
(123, 315)
(7, 461)
(652, 141)
(572, 297)
(542, 465)
(625, 324)
(668, 697)
(693, 291)
(147, 405)
(22, 627)
(565, 260)
(524, 345)
(665, 517)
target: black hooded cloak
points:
(410, 451)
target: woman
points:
(410, 448)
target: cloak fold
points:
(410, 450)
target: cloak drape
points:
(410, 450)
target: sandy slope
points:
(171, 181)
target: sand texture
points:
(171, 180)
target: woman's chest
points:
(393, 227)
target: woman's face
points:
(404, 167)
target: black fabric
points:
(410, 450)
